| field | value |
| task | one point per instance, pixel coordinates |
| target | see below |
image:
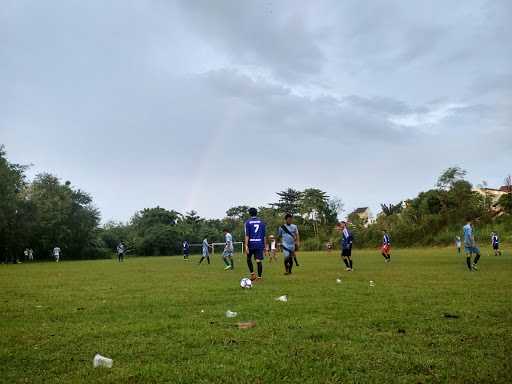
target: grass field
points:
(162, 320)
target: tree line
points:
(436, 216)
(46, 212)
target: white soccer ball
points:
(246, 283)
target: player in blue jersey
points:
(186, 250)
(386, 246)
(255, 242)
(227, 255)
(206, 251)
(495, 241)
(346, 245)
(289, 234)
(470, 246)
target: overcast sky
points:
(209, 104)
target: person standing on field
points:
(121, 249)
(56, 253)
(289, 235)
(206, 252)
(186, 250)
(386, 246)
(346, 245)
(273, 249)
(495, 241)
(227, 255)
(470, 247)
(31, 254)
(458, 244)
(255, 243)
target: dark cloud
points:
(145, 103)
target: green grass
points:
(147, 315)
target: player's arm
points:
(246, 240)
(297, 240)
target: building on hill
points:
(494, 195)
(365, 214)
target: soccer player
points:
(186, 250)
(206, 253)
(227, 255)
(56, 253)
(273, 249)
(346, 245)
(458, 244)
(289, 235)
(31, 254)
(470, 247)
(495, 241)
(386, 246)
(255, 242)
(120, 251)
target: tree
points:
(505, 201)
(391, 209)
(12, 185)
(64, 216)
(239, 212)
(289, 201)
(449, 177)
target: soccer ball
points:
(246, 283)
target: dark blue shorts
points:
(257, 253)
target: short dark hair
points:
(287, 216)
(225, 230)
(253, 212)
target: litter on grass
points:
(101, 361)
(246, 325)
(283, 298)
(231, 314)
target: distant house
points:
(494, 195)
(364, 214)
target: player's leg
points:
(477, 257)
(287, 259)
(383, 253)
(259, 262)
(345, 261)
(467, 250)
(295, 259)
(250, 264)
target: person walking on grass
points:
(121, 249)
(346, 245)
(495, 242)
(273, 249)
(227, 255)
(255, 243)
(56, 253)
(386, 246)
(186, 250)
(458, 244)
(206, 251)
(470, 247)
(289, 235)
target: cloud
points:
(206, 105)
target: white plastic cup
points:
(231, 314)
(101, 361)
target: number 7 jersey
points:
(255, 230)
